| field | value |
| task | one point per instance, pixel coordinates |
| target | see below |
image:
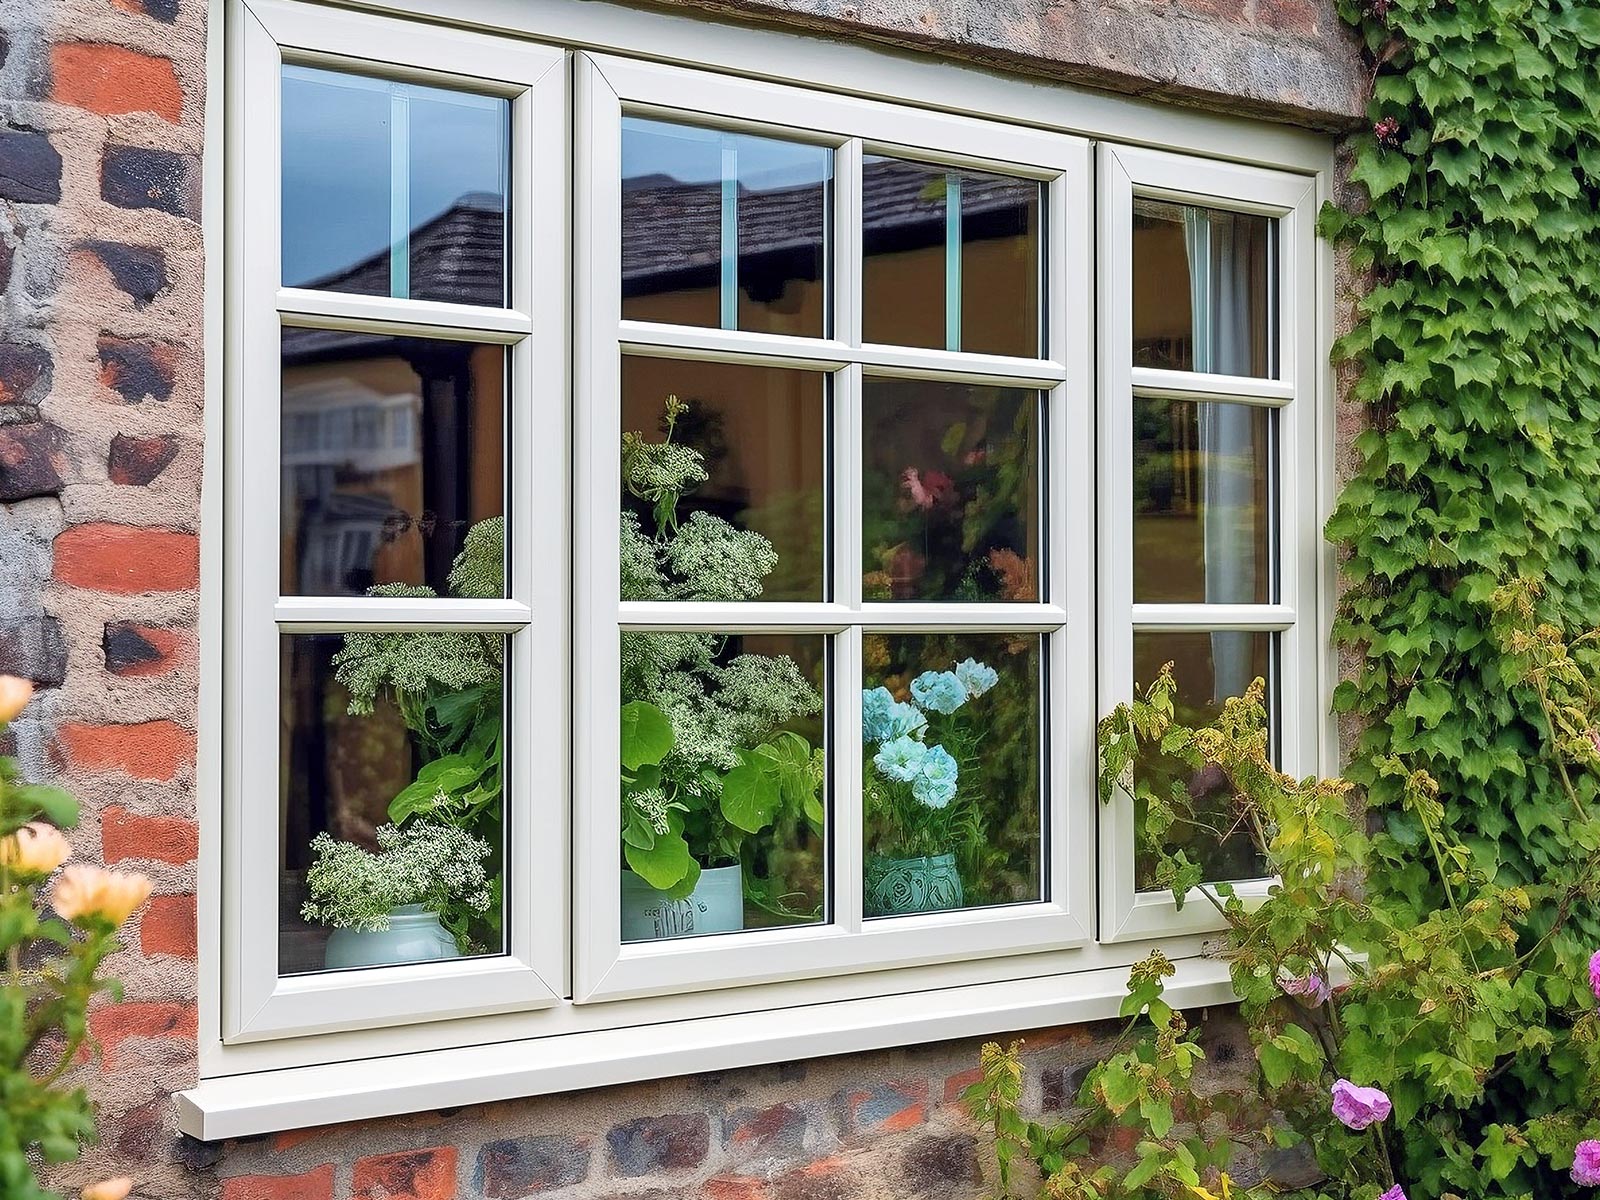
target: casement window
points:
(680, 529)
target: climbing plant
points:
(1477, 358)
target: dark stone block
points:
(135, 370)
(139, 177)
(140, 271)
(1059, 1086)
(27, 461)
(932, 1164)
(25, 373)
(137, 461)
(1292, 1168)
(34, 649)
(778, 1129)
(519, 1166)
(30, 167)
(669, 1143)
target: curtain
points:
(1219, 300)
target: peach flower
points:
(14, 696)
(35, 849)
(87, 891)
(108, 1189)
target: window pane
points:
(742, 449)
(1203, 290)
(724, 230)
(1202, 494)
(950, 492)
(952, 772)
(390, 804)
(392, 452)
(393, 189)
(1208, 668)
(723, 797)
(950, 258)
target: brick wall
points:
(100, 449)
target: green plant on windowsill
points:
(448, 688)
(708, 761)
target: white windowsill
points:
(301, 1097)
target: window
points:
(1207, 552)
(680, 531)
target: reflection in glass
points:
(741, 451)
(392, 449)
(724, 230)
(951, 787)
(950, 258)
(951, 492)
(393, 189)
(1202, 486)
(1203, 290)
(722, 777)
(391, 772)
(1208, 669)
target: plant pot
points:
(715, 906)
(414, 935)
(898, 886)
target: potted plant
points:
(384, 907)
(707, 762)
(447, 688)
(922, 816)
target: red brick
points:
(126, 559)
(313, 1185)
(960, 1082)
(168, 926)
(125, 835)
(114, 1024)
(154, 750)
(113, 79)
(736, 1187)
(411, 1175)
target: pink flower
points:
(920, 495)
(1312, 988)
(1594, 973)
(1357, 1107)
(1394, 1193)
(1586, 1163)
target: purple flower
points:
(1357, 1107)
(1594, 973)
(1395, 1193)
(1586, 1163)
(1313, 988)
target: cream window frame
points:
(258, 1002)
(609, 87)
(1126, 173)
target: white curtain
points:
(1219, 299)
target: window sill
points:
(301, 1097)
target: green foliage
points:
(1444, 1010)
(1477, 354)
(424, 862)
(707, 761)
(51, 974)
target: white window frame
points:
(1126, 173)
(532, 972)
(257, 1074)
(608, 88)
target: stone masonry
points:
(101, 395)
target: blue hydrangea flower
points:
(877, 715)
(905, 720)
(938, 691)
(935, 784)
(901, 759)
(976, 677)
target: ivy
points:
(1477, 354)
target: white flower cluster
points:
(424, 862)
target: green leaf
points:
(54, 804)
(646, 735)
(750, 794)
(664, 865)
